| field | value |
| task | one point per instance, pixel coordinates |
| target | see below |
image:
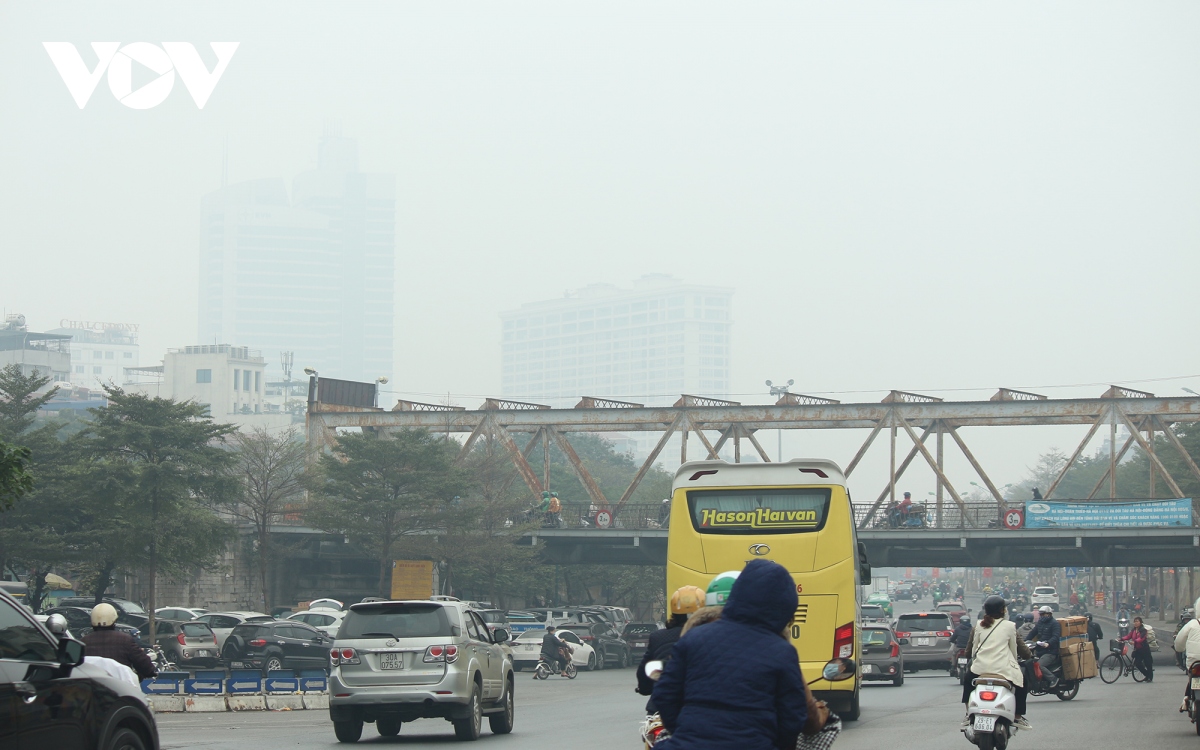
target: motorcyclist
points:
(1095, 635)
(105, 640)
(962, 632)
(685, 601)
(1122, 622)
(1187, 642)
(994, 649)
(552, 651)
(1046, 634)
(736, 681)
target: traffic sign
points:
(281, 685)
(202, 686)
(153, 686)
(314, 684)
(603, 519)
(1070, 572)
(237, 685)
(1014, 518)
(987, 572)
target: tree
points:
(20, 401)
(15, 479)
(378, 490)
(269, 471)
(164, 465)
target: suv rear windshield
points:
(248, 632)
(396, 621)
(196, 630)
(1043, 590)
(640, 628)
(873, 610)
(765, 511)
(922, 623)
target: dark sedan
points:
(50, 699)
(637, 635)
(608, 644)
(79, 622)
(881, 657)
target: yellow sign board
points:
(412, 579)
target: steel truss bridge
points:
(715, 424)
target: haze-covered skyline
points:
(929, 197)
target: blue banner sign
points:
(1040, 514)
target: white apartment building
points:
(228, 379)
(100, 352)
(47, 354)
(647, 344)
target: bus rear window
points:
(765, 511)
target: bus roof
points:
(724, 474)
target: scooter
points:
(991, 709)
(1193, 710)
(959, 666)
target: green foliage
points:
(380, 490)
(15, 479)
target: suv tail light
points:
(343, 656)
(944, 634)
(843, 641)
(182, 640)
(441, 653)
(257, 642)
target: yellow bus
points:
(797, 514)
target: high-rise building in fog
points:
(646, 344)
(311, 272)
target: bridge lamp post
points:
(779, 391)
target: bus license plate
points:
(985, 723)
(391, 661)
(922, 641)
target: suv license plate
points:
(985, 723)
(922, 641)
(391, 661)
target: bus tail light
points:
(843, 641)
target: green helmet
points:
(718, 590)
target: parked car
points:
(928, 637)
(129, 613)
(874, 613)
(272, 645)
(528, 647)
(326, 620)
(1043, 595)
(611, 648)
(223, 623)
(618, 617)
(188, 644)
(881, 656)
(79, 622)
(495, 618)
(333, 604)
(395, 662)
(637, 635)
(64, 703)
(183, 614)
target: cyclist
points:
(1140, 639)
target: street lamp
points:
(1189, 390)
(381, 380)
(310, 372)
(779, 391)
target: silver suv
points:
(394, 662)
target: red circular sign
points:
(603, 519)
(1014, 518)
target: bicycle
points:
(1118, 663)
(543, 670)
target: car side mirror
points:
(57, 624)
(501, 635)
(864, 565)
(70, 652)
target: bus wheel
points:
(853, 713)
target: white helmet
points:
(103, 615)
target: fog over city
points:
(944, 198)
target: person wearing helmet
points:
(1187, 642)
(736, 682)
(1046, 634)
(962, 632)
(1094, 634)
(719, 588)
(994, 648)
(685, 601)
(105, 640)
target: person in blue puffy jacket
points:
(736, 682)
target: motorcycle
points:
(1193, 711)
(1123, 626)
(1185, 616)
(991, 711)
(1078, 609)
(958, 667)
(1040, 683)
(544, 670)
(160, 660)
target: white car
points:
(178, 613)
(1043, 595)
(223, 623)
(333, 604)
(326, 620)
(528, 646)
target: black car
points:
(637, 635)
(606, 642)
(271, 646)
(50, 699)
(127, 612)
(79, 621)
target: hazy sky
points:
(921, 196)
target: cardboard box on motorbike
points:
(1079, 661)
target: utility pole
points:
(778, 392)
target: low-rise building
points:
(46, 353)
(100, 352)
